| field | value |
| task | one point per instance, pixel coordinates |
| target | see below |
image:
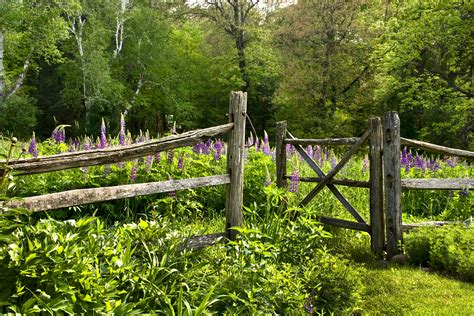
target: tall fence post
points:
(392, 182)
(280, 155)
(377, 231)
(235, 162)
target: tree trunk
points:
(240, 45)
(2, 73)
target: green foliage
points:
(447, 249)
(424, 71)
(18, 125)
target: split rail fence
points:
(385, 184)
(233, 178)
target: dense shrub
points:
(449, 249)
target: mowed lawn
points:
(412, 291)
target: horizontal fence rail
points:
(345, 224)
(344, 182)
(321, 141)
(113, 154)
(437, 184)
(93, 195)
(437, 148)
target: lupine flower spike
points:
(295, 179)
(266, 144)
(33, 150)
(218, 150)
(122, 130)
(133, 172)
(268, 179)
(365, 164)
(103, 136)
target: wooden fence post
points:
(280, 155)
(392, 182)
(235, 162)
(377, 231)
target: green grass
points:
(411, 291)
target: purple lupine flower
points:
(250, 140)
(32, 149)
(266, 144)
(157, 157)
(295, 179)
(87, 144)
(327, 154)
(170, 156)
(77, 144)
(452, 161)
(181, 162)
(148, 163)
(133, 172)
(59, 135)
(122, 130)
(197, 149)
(309, 150)
(140, 137)
(419, 162)
(218, 150)
(317, 154)
(257, 144)
(103, 136)
(204, 149)
(404, 157)
(308, 306)
(268, 179)
(333, 162)
(365, 164)
(288, 149)
(433, 165)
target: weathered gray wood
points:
(344, 182)
(280, 155)
(86, 196)
(114, 154)
(198, 242)
(322, 141)
(235, 162)
(377, 227)
(331, 187)
(336, 169)
(408, 227)
(344, 224)
(392, 182)
(437, 184)
(437, 148)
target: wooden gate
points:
(373, 136)
(385, 184)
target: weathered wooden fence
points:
(385, 184)
(233, 177)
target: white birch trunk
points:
(120, 25)
(19, 81)
(2, 72)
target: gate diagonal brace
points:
(330, 186)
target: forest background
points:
(324, 66)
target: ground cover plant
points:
(130, 256)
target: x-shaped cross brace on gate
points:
(327, 178)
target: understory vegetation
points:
(132, 256)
